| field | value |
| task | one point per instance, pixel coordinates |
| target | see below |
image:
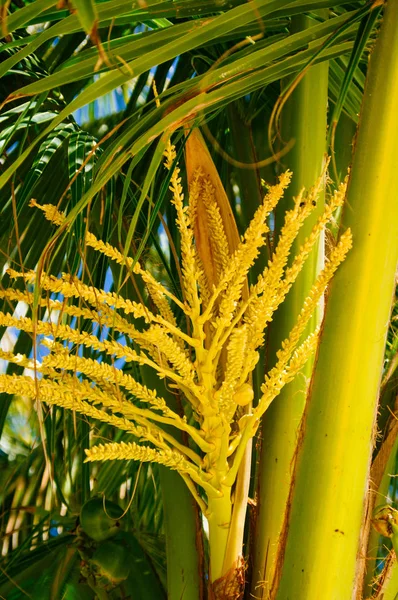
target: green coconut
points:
(100, 520)
(112, 561)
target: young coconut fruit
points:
(112, 562)
(100, 520)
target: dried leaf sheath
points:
(210, 366)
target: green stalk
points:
(332, 469)
(183, 577)
(219, 518)
(181, 520)
(304, 119)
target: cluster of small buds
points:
(209, 362)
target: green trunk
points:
(331, 474)
(304, 119)
(219, 517)
(182, 528)
(183, 581)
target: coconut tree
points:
(164, 306)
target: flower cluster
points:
(208, 362)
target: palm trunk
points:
(181, 530)
(331, 476)
(304, 120)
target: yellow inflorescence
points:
(208, 361)
(190, 266)
(217, 238)
(236, 357)
(131, 450)
(50, 211)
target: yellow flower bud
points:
(243, 395)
